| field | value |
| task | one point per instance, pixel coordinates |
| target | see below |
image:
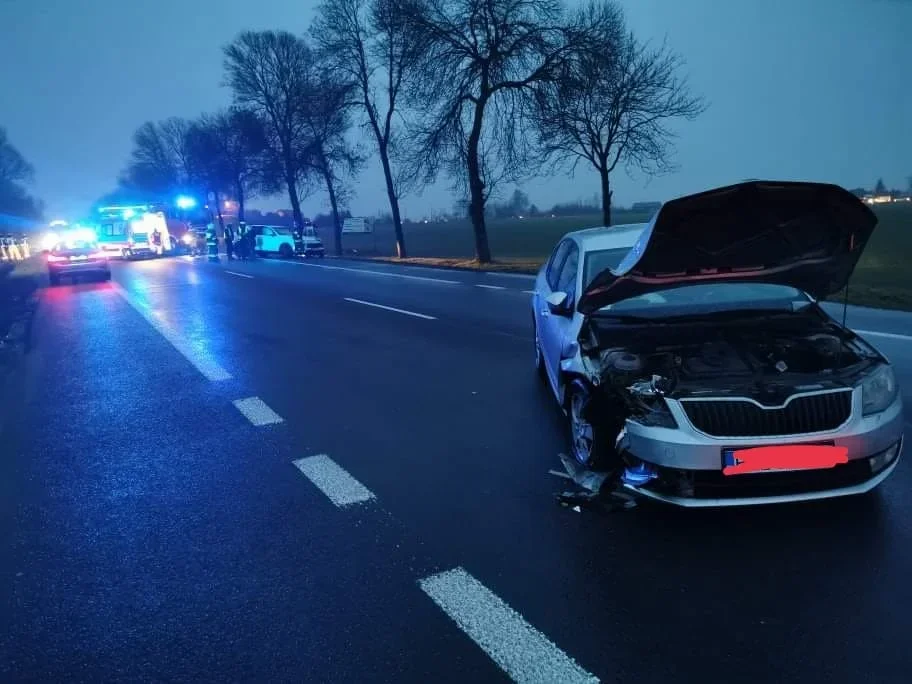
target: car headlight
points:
(655, 415)
(878, 390)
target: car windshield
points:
(601, 259)
(710, 298)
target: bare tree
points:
(17, 206)
(269, 72)
(233, 148)
(13, 166)
(328, 153)
(160, 161)
(483, 59)
(612, 104)
(369, 43)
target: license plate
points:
(782, 458)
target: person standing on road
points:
(12, 250)
(229, 241)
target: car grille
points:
(741, 418)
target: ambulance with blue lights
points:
(131, 231)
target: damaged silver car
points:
(693, 360)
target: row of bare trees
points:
(18, 208)
(483, 91)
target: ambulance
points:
(132, 231)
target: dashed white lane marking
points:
(892, 336)
(194, 353)
(523, 652)
(333, 480)
(375, 273)
(390, 308)
(490, 287)
(239, 275)
(257, 412)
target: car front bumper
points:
(689, 463)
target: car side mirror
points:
(559, 303)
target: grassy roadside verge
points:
(18, 285)
(883, 278)
(527, 266)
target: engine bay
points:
(634, 365)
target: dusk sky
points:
(802, 89)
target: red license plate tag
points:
(781, 458)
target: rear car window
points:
(75, 244)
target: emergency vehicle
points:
(133, 230)
(283, 241)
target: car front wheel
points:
(590, 442)
(285, 251)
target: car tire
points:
(285, 251)
(54, 278)
(598, 452)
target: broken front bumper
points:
(688, 464)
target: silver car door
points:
(543, 288)
(556, 327)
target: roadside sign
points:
(357, 225)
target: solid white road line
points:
(892, 336)
(500, 274)
(257, 412)
(523, 652)
(196, 355)
(375, 273)
(391, 308)
(490, 287)
(239, 275)
(333, 480)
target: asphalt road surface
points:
(338, 472)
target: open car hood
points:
(806, 235)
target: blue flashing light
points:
(185, 202)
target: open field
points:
(529, 238)
(883, 277)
